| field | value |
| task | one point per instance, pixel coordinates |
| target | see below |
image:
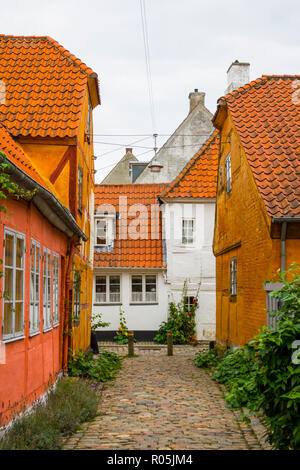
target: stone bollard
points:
(130, 343)
(170, 343)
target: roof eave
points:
(220, 114)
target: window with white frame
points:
(55, 288)
(34, 311)
(188, 302)
(188, 226)
(221, 177)
(108, 289)
(47, 317)
(13, 288)
(80, 187)
(228, 173)
(104, 231)
(143, 288)
(233, 276)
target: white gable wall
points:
(195, 263)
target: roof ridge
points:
(62, 50)
(130, 184)
(258, 81)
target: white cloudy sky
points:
(192, 43)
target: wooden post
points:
(170, 343)
(130, 343)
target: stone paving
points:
(164, 403)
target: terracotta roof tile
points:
(198, 179)
(145, 252)
(45, 87)
(266, 114)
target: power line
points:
(144, 147)
(148, 135)
(147, 59)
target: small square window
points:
(228, 173)
(188, 226)
(233, 276)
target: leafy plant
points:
(69, 404)
(97, 322)
(265, 373)
(122, 333)
(207, 360)
(181, 321)
(101, 369)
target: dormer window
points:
(104, 231)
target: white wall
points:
(193, 263)
(181, 146)
(138, 317)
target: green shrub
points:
(69, 404)
(207, 360)
(101, 369)
(181, 322)
(265, 373)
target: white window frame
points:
(16, 235)
(106, 299)
(185, 239)
(228, 173)
(233, 276)
(35, 272)
(47, 297)
(109, 232)
(55, 288)
(143, 298)
(77, 294)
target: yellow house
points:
(49, 99)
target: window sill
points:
(10, 340)
(45, 330)
(34, 333)
(108, 303)
(55, 325)
(143, 303)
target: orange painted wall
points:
(242, 229)
(46, 156)
(33, 361)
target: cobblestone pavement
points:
(160, 403)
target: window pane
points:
(101, 284)
(114, 283)
(7, 320)
(19, 317)
(8, 284)
(9, 250)
(19, 285)
(101, 230)
(137, 284)
(19, 253)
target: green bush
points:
(207, 360)
(265, 373)
(181, 322)
(101, 369)
(44, 428)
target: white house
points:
(129, 268)
(188, 208)
(186, 140)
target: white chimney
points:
(238, 75)
(195, 98)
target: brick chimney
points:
(195, 98)
(238, 75)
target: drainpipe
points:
(283, 248)
(66, 332)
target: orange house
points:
(257, 225)
(46, 102)
(49, 98)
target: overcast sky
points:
(191, 42)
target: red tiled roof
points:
(45, 87)
(198, 179)
(266, 114)
(146, 252)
